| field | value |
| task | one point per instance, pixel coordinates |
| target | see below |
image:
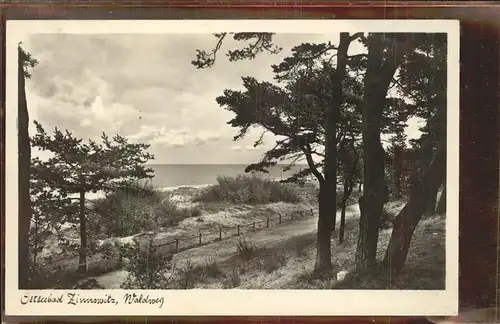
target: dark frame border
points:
(479, 112)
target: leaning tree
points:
(423, 77)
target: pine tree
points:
(80, 168)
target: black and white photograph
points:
(299, 167)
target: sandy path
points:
(221, 251)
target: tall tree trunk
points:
(24, 152)
(375, 193)
(82, 262)
(408, 218)
(441, 207)
(328, 192)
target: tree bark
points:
(407, 220)
(378, 76)
(325, 220)
(82, 262)
(24, 152)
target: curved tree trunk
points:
(24, 152)
(407, 220)
(379, 74)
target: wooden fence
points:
(203, 238)
(179, 244)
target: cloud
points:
(145, 88)
(247, 148)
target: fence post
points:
(279, 220)
(200, 238)
(238, 230)
(312, 212)
(176, 245)
(220, 233)
(267, 222)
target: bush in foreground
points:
(147, 268)
(249, 189)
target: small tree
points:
(78, 167)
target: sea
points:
(168, 177)
(197, 175)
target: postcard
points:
(232, 167)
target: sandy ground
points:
(221, 251)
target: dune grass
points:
(249, 189)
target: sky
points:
(144, 87)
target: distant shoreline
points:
(94, 196)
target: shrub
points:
(301, 245)
(245, 250)
(212, 269)
(273, 261)
(147, 269)
(232, 280)
(189, 275)
(249, 189)
(135, 208)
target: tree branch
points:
(310, 162)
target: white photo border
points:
(236, 302)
